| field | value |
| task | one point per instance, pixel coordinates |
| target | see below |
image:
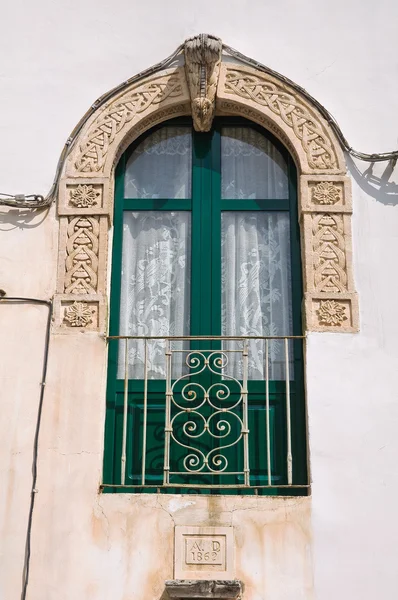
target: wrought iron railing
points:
(205, 388)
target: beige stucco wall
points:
(91, 545)
(341, 542)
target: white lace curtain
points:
(161, 166)
(156, 272)
(256, 289)
(252, 168)
(155, 293)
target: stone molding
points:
(120, 120)
(325, 209)
(262, 98)
(86, 187)
(190, 589)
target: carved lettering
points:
(204, 550)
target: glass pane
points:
(155, 287)
(251, 167)
(256, 285)
(160, 167)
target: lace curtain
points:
(155, 289)
(155, 292)
(161, 166)
(256, 289)
(156, 271)
(252, 168)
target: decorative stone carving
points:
(202, 67)
(81, 263)
(121, 111)
(331, 313)
(329, 253)
(205, 86)
(84, 196)
(326, 192)
(78, 314)
(262, 90)
(74, 313)
(330, 299)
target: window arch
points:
(206, 243)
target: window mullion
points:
(216, 233)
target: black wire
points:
(34, 201)
(25, 572)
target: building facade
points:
(301, 503)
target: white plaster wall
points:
(56, 58)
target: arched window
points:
(205, 386)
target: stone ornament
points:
(326, 193)
(325, 216)
(202, 67)
(79, 314)
(84, 196)
(82, 248)
(203, 87)
(329, 257)
(121, 111)
(293, 114)
(331, 313)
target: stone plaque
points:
(203, 553)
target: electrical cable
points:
(48, 303)
(36, 201)
(19, 200)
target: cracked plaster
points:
(264, 530)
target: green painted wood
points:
(148, 204)
(274, 205)
(110, 450)
(206, 206)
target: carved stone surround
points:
(85, 204)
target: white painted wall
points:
(56, 58)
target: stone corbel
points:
(190, 589)
(202, 68)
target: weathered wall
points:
(56, 59)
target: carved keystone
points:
(202, 68)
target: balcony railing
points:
(204, 394)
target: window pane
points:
(160, 167)
(155, 287)
(256, 284)
(251, 166)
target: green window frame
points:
(206, 206)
